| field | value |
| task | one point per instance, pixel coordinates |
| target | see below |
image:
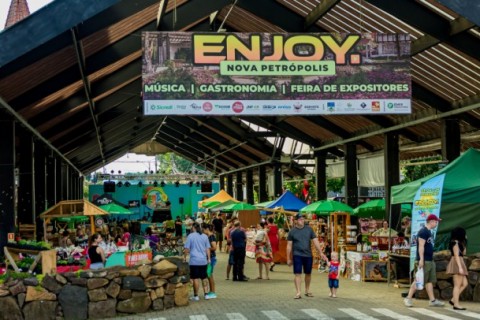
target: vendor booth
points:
(220, 197)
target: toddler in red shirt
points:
(333, 274)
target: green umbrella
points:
(210, 204)
(239, 206)
(74, 219)
(376, 209)
(325, 207)
(115, 209)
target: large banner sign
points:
(428, 200)
(275, 74)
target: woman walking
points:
(263, 251)
(272, 231)
(95, 252)
(456, 266)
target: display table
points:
(400, 268)
(281, 255)
(129, 258)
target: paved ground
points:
(273, 299)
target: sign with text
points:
(275, 74)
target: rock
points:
(129, 272)
(86, 274)
(138, 304)
(157, 305)
(4, 292)
(472, 278)
(163, 267)
(11, 282)
(97, 295)
(9, 309)
(442, 255)
(168, 301)
(79, 282)
(446, 294)
(144, 270)
(181, 296)
(167, 275)
(30, 282)
(36, 293)
(44, 310)
(154, 282)
(160, 292)
(182, 267)
(95, 283)
(441, 265)
(467, 294)
(158, 258)
(113, 289)
(117, 280)
(443, 275)
(100, 274)
(112, 274)
(60, 279)
(476, 293)
(18, 288)
(133, 283)
(475, 265)
(21, 299)
(124, 294)
(180, 279)
(74, 302)
(51, 284)
(170, 289)
(153, 295)
(102, 309)
(442, 284)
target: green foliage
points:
(414, 172)
(335, 184)
(170, 163)
(18, 275)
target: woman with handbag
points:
(263, 250)
(456, 266)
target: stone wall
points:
(444, 286)
(97, 294)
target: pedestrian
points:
(218, 228)
(299, 253)
(333, 274)
(188, 225)
(198, 247)
(272, 231)
(153, 239)
(263, 251)
(178, 227)
(424, 260)
(239, 244)
(95, 252)
(229, 248)
(456, 266)
(208, 230)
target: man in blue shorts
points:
(299, 253)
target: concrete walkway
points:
(273, 299)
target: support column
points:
(230, 184)
(65, 178)
(277, 179)
(58, 180)
(250, 198)
(321, 176)
(25, 193)
(239, 186)
(392, 177)
(451, 139)
(222, 182)
(7, 178)
(39, 179)
(50, 177)
(262, 184)
(351, 185)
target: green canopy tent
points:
(460, 196)
(376, 209)
(114, 208)
(240, 206)
(263, 204)
(325, 207)
(219, 206)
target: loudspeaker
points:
(206, 186)
(161, 215)
(181, 200)
(109, 186)
(144, 200)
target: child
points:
(333, 274)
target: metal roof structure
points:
(71, 73)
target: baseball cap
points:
(433, 217)
(298, 216)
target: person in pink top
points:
(272, 232)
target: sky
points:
(33, 5)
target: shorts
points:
(231, 261)
(96, 265)
(198, 272)
(213, 262)
(333, 283)
(305, 262)
(429, 271)
(219, 236)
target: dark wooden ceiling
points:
(72, 73)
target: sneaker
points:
(436, 303)
(195, 298)
(210, 295)
(408, 302)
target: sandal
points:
(271, 267)
(298, 296)
(309, 294)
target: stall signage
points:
(134, 258)
(99, 221)
(428, 200)
(272, 74)
(11, 237)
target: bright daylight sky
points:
(128, 163)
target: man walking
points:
(299, 253)
(425, 261)
(239, 244)
(218, 227)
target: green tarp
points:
(460, 197)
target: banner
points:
(428, 200)
(188, 73)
